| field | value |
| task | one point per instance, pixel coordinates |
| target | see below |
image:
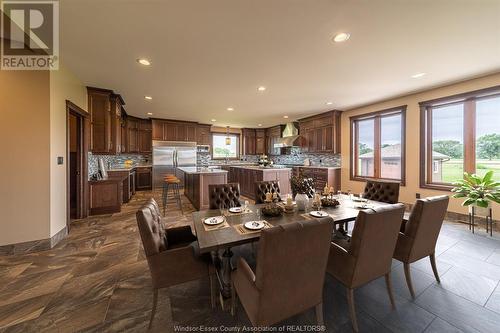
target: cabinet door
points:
(132, 141)
(181, 132)
(145, 142)
(310, 140)
(100, 117)
(191, 133)
(157, 126)
(123, 131)
(170, 131)
(328, 139)
(143, 178)
(318, 136)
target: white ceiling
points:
(208, 55)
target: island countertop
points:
(256, 167)
(200, 170)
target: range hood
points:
(289, 137)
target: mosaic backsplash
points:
(295, 157)
(115, 160)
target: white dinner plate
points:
(214, 220)
(318, 213)
(235, 210)
(255, 225)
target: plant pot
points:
(302, 200)
(480, 211)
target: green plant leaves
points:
(478, 190)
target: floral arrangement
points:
(264, 161)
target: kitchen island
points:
(248, 175)
(196, 181)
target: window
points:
(225, 146)
(459, 133)
(378, 145)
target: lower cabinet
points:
(247, 177)
(321, 176)
(106, 196)
(143, 178)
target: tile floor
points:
(97, 280)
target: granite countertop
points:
(201, 170)
(317, 166)
(128, 168)
(256, 167)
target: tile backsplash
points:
(114, 160)
(295, 156)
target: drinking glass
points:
(339, 195)
(221, 209)
(245, 206)
(257, 214)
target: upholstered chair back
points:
(263, 187)
(373, 241)
(424, 225)
(224, 195)
(151, 228)
(291, 265)
(382, 191)
(309, 184)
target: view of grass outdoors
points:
(221, 149)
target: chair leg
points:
(319, 314)
(212, 290)
(153, 311)
(352, 310)
(408, 279)
(233, 299)
(388, 284)
(432, 257)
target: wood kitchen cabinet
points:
(203, 135)
(169, 130)
(321, 176)
(132, 135)
(145, 140)
(248, 135)
(273, 134)
(321, 133)
(105, 108)
(260, 141)
(247, 176)
(106, 196)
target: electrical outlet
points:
(417, 195)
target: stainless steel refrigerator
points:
(168, 156)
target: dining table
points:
(219, 239)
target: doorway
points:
(77, 138)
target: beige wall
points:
(25, 147)
(412, 138)
(63, 86)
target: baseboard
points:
(34, 246)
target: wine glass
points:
(221, 208)
(257, 214)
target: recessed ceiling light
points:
(329, 103)
(286, 117)
(150, 113)
(148, 98)
(260, 125)
(230, 109)
(144, 62)
(261, 88)
(341, 37)
(416, 76)
(213, 120)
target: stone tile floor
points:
(97, 280)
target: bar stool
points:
(173, 183)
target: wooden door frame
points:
(83, 119)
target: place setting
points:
(215, 223)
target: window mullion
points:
(470, 136)
(376, 147)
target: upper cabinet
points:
(169, 130)
(203, 134)
(273, 135)
(321, 133)
(145, 136)
(138, 135)
(260, 141)
(248, 135)
(105, 109)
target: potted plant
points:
(478, 191)
(300, 187)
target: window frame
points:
(354, 153)
(468, 99)
(237, 136)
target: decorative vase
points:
(302, 201)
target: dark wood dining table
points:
(219, 242)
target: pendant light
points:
(228, 139)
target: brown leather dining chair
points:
(383, 191)
(368, 255)
(266, 186)
(224, 195)
(170, 253)
(290, 272)
(419, 235)
(310, 188)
